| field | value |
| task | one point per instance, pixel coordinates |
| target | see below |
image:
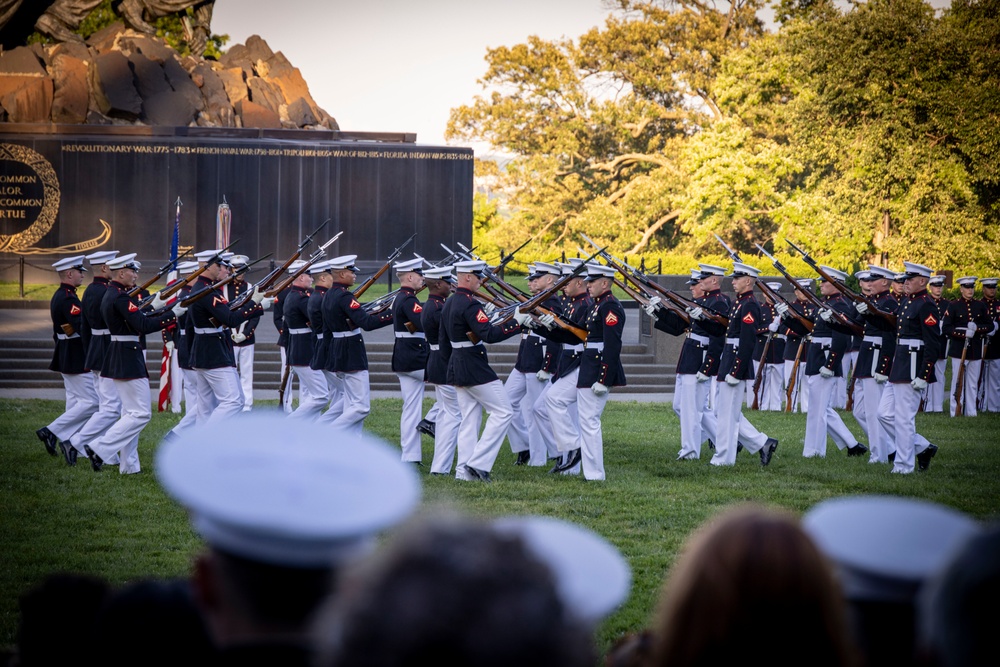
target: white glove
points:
(996, 325)
(782, 309)
(970, 330)
(826, 372)
(267, 302)
(547, 320)
(598, 389)
(169, 345)
(696, 313)
(701, 377)
(178, 309)
(731, 381)
(861, 307)
(826, 314)
(524, 319)
(881, 379)
(652, 306)
(773, 326)
(237, 337)
(918, 384)
(257, 295)
(543, 376)
(489, 308)
(158, 302)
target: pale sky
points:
(400, 65)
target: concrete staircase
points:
(24, 364)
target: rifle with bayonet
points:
(758, 380)
(385, 267)
(794, 378)
(169, 266)
(167, 292)
(221, 283)
(841, 318)
(842, 288)
(317, 255)
(959, 394)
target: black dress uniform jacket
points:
(992, 342)
(830, 355)
(776, 350)
(125, 359)
(94, 344)
(956, 319)
(67, 317)
(342, 314)
(795, 334)
(409, 351)
(744, 321)
(536, 353)
(697, 355)
(301, 336)
(185, 333)
(917, 339)
(879, 342)
(439, 347)
(463, 315)
(278, 313)
(575, 311)
(214, 349)
(603, 363)
(234, 290)
(322, 335)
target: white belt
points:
(874, 340)
(301, 331)
(780, 336)
(735, 342)
(319, 336)
(698, 338)
(573, 348)
(534, 335)
(125, 339)
(346, 334)
(206, 330)
(594, 346)
(825, 341)
(465, 343)
(407, 334)
(65, 337)
(183, 332)
(912, 343)
(100, 332)
(435, 347)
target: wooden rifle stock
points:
(159, 274)
(790, 392)
(285, 374)
(761, 369)
(960, 397)
(850, 388)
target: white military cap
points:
(185, 268)
(415, 264)
(595, 271)
(320, 267)
(836, 274)
(911, 269)
(886, 547)
(696, 276)
(124, 262)
(565, 268)
(70, 263)
(989, 282)
(101, 257)
(880, 272)
(344, 262)
(899, 277)
(544, 268)
(865, 274)
(967, 281)
(227, 258)
(804, 283)
(296, 265)
(237, 260)
(470, 266)
(937, 281)
(205, 255)
(532, 273)
(294, 497)
(591, 576)
(438, 273)
(774, 286)
(712, 270)
(740, 269)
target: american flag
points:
(163, 403)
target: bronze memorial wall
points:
(72, 189)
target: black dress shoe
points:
(48, 439)
(711, 445)
(96, 462)
(68, 452)
(481, 475)
(739, 447)
(522, 458)
(767, 451)
(892, 457)
(857, 450)
(574, 458)
(426, 427)
(924, 457)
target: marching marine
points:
(934, 398)
(990, 375)
(244, 336)
(409, 354)
(965, 326)
(439, 286)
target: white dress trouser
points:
(867, 397)
(970, 387)
(191, 412)
(446, 423)
(411, 385)
(432, 414)
(548, 449)
(81, 403)
(591, 406)
(244, 366)
(690, 405)
(823, 419)
(357, 402)
(220, 389)
(313, 393)
(731, 426)
(991, 385)
(560, 404)
(286, 404)
(492, 398)
(516, 387)
(772, 390)
(122, 439)
(934, 401)
(109, 410)
(176, 383)
(897, 413)
(335, 390)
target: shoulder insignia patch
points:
(354, 304)
(611, 319)
(217, 300)
(931, 320)
(74, 309)
(417, 308)
(748, 318)
(481, 317)
(132, 307)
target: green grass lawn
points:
(124, 528)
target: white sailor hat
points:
(320, 267)
(775, 286)
(546, 269)
(236, 260)
(185, 268)
(439, 273)
(124, 262)
(596, 271)
(804, 283)
(101, 257)
(913, 270)
(741, 270)
(989, 282)
(260, 490)
(711, 270)
(880, 272)
(886, 547)
(70, 263)
(696, 277)
(967, 281)
(296, 265)
(865, 275)
(416, 264)
(591, 576)
(938, 281)
(475, 266)
(836, 274)
(344, 262)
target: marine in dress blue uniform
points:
(440, 282)
(772, 386)
(934, 397)
(322, 281)
(183, 379)
(409, 354)
(965, 326)
(989, 399)
(795, 340)
(314, 391)
(244, 336)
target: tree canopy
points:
(866, 134)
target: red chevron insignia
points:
(132, 307)
(354, 304)
(930, 321)
(748, 318)
(481, 317)
(417, 308)
(74, 309)
(216, 301)
(611, 319)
